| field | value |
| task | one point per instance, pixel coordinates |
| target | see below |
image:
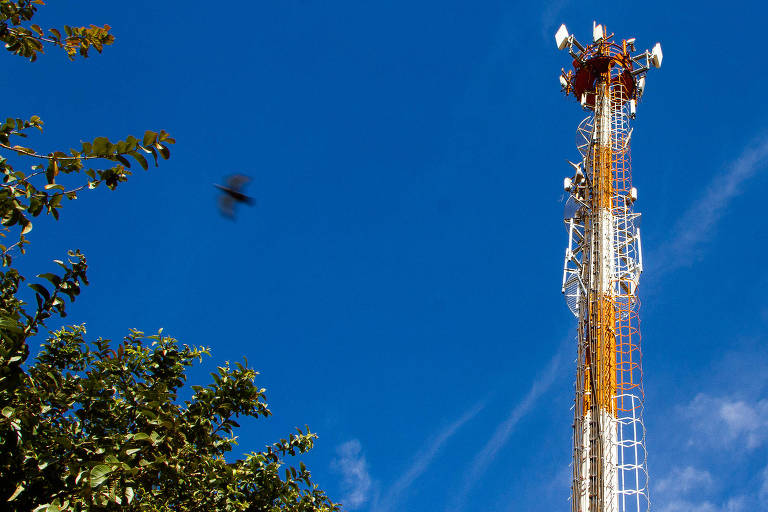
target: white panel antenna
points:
(561, 37)
(597, 32)
(657, 56)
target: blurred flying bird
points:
(232, 194)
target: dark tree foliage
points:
(92, 425)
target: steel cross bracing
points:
(603, 263)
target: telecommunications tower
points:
(603, 262)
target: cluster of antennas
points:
(578, 183)
(602, 56)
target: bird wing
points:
(237, 181)
(227, 206)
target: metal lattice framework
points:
(603, 262)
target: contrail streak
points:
(503, 431)
(692, 229)
(423, 459)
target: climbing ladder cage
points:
(628, 264)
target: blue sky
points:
(397, 284)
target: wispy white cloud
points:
(689, 488)
(726, 433)
(683, 481)
(422, 460)
(356, 481)
(728, 423)
(764, 488)
(485, 457)
(693, 227)
(736, 504)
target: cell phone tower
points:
(603, 262)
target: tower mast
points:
(603, 262)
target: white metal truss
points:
(573, 284)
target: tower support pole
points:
(601, 273)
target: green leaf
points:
(139, 158)
(48, 507)
(53, 278)
(123, 160)
(101, 146)
(99, 474)
(41, 290)
(8, 412)
(18, 490)
(154, 153)
(10, 324)
(150, 138)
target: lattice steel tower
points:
(603, 262)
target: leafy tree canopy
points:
(90, 425)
